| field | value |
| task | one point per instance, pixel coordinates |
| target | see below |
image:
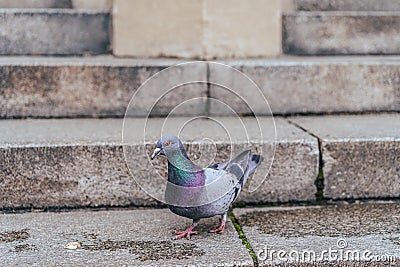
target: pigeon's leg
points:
(221, 226)
(189, 231)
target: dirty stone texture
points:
(94, 87)
(67, 176)
(120, 237)
(363, 226)
(53, 32)
(346, 33)
(346, 5)
(293, 171)
(80, 162)
(360, 263)
(309, 85)
(13, 236)
(35, 4)
(360, 154)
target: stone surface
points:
(237, 29)
(102, 86)
(361, 154)
(115, 238)
(92, 4)
(35, 3)
(293, 171)
(346, 229)
(348, 5)
(310, 85)
(80, 162)
(198, 29)
(53, 32)
(330, 33)
(164, 29)
(93, 87)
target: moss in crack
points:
(242, 236)
(320, 181)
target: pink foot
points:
(220, 228)
(185, 233)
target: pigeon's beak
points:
(156, 152)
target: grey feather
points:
(223, 183)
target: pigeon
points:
(195, 192)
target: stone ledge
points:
(361, 154)
(80, 162)
(54, 32)
(354, 5)
(341, 33)
(102, 86)
(35, 4)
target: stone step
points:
(115, 238)
(35, 4)
(80, 162)
(364, 234)
(102, 86)
(361, 154)
(348, 5)
(54, 32)
(341, 33)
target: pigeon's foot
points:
(186, 233)
(220, 228)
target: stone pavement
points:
(371, 228)
(115, 238)
(359, 234)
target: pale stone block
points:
(203, 29)
(238, 29)
(104, 5)
(154, 28)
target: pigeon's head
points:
(167, 143)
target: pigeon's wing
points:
(241, 159)
(241, 166)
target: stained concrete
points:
(360, 154)
(117, 238)
(309, 85)
(102, 86)
(357, 227)
(95, 87)
(80, 162)
(35, 4)
(54, 32)
(341, 33)
(348, 5)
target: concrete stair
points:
(342, 28)
(80, 162)
(35, 4)
(337, 142)
(43, 87)
(346, 5)
(54, 32)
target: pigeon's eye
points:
(167, 143)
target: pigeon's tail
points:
(253, 162)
